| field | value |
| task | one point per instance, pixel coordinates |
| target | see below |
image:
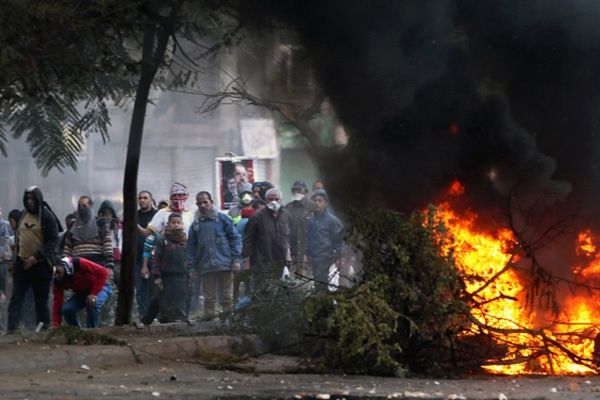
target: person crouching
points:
(90, 286)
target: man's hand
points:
(246, 264)
(145, 272)
(235, 266)
(192, 278)
(158, 282)
(30, 262)
(90, 300)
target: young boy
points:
(170, 273)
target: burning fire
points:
(537, 341)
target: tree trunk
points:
(155, 45)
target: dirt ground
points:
(33, 369)
(186, 380)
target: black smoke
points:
(503, 95)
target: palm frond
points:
(3, 140)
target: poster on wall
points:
(234, 176)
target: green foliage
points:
(407, 312)
(274, 315)
(363, 325)
(60, 62)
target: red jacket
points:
(89, 278)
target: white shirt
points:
(160, 219)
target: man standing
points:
(324, 239)
(266, 248)
(36, 239)
(156, 226)
(84, 239)
(214, 251)
(178, 196)
(142, 281)
(299, 209)
(5, 233)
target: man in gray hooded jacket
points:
(36, 238)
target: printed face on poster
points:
(236, 177)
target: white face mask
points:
(297, 196)
(274, 206)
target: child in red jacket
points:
(88, 281)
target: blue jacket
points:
(325, 236)
(213, 244)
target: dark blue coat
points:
(325, 236)
(213, 244)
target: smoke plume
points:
(500, 95)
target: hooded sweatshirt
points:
(37, 232)
(84, 239)
(111, 227)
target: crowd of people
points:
(225, 257)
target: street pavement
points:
(170, 361)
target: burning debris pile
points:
(506, 295)
(442, 292)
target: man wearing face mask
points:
(299, 209)
(36, 238)
(85, 239)
(266, 244)
(178, 197)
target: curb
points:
(32, 355)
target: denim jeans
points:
(143, 287)
(77, 302)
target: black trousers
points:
(168, 304)
(38, 278)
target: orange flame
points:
(487, 262)
(455, 189)
(584, 243)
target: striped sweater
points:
(95, 249)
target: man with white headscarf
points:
(178, 196)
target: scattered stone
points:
(323, 396)
(502, 396)
(156, 394)
(415, 394)
(173, 378)
(553, 390)
(85, 367)
(574, 387)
